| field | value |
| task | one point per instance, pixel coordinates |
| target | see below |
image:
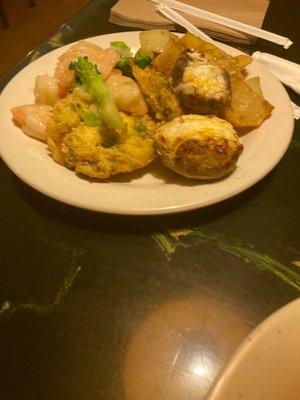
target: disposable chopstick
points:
(174, 16)
(261, 33)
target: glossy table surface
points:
(96, 306)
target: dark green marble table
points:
(96, 306)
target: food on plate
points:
(142, 59)
(201, 87)
(126, 94)
(198, 146)
(254, 83)
(125, 55)
(46, 90)
(233, 65)
(121, 48)
(247, 108)
(105, 59)
(165, 61)
(158, 92)
(91, 81)
(114, 110)
(154, 41)
(32, 119)
(78, 141)
(90, 135)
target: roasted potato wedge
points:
(241, 61)
(247, 109)
(154, 41)
(165, 61)
(191, 41)
(254, 83)
(233, 65)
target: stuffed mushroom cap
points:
(200, 86)
(198, 146)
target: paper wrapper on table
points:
(142, 14)
(286, 71)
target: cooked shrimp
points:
(105, 59)
(33, 119)
(46, 90)
(126, 93)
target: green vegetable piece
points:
(140, 128)
(91, 119)
(121, 48)
(125, 67)
(90, 79)
(142, 59)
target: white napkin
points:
(286, 71)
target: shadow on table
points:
(92, 220)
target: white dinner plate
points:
(266, 365)
(153, 190)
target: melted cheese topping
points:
(190, 124)
(207, 78)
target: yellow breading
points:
(158, 92)
(69, 111)
(93, 150)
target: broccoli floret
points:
(91, 119)
(142, 59)
(91, 80)
(121, 48)
(125, 53)
(125, 67)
